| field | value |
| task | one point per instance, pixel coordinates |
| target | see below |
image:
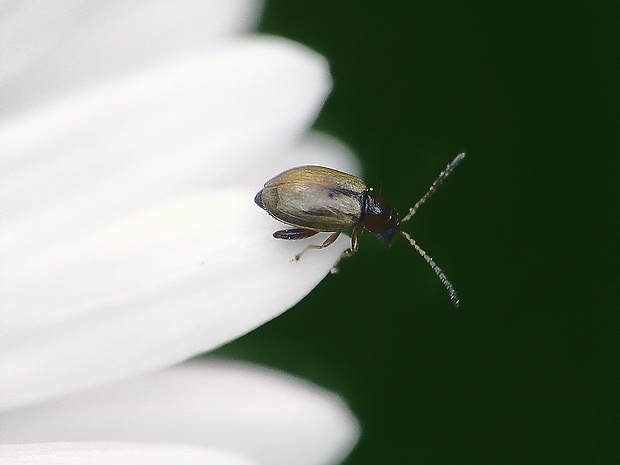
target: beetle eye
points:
(388, 236)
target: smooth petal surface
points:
(173, 282)
(315, 148)
(261, 414)
(181, 127)
(101, 453)
(52, 47)
(28, 29)
(52, 195)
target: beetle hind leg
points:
(329, 241)
(294, 234)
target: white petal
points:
(179, 280)
(315, 148)
(28, 29)
(267, 416)
(59, 47)
(59, 271)
(89, 159)
(101, 453)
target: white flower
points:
(133, 138)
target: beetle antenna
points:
(454, 298)
(431, 190)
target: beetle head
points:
(379, 217)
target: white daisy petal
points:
(150, 292)
(79, 43)
(174, 282)
(105, 265)
(320, 149)
(102, 453)
(261, 414)
(89, 159)
(28, 29)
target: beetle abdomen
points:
(313, 206)
(314, 197)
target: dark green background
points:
(527, 371)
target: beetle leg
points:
(294, 234)
(329, 241)
(355, 244)
(355, 241)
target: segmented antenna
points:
(454, 298)
(431, 190)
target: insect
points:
(315, 199)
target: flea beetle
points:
(316, 199)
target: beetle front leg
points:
(329, 241)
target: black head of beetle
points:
(379, 217)
(315, 199)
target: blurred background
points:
(527, 370)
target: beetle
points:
(316, 199)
